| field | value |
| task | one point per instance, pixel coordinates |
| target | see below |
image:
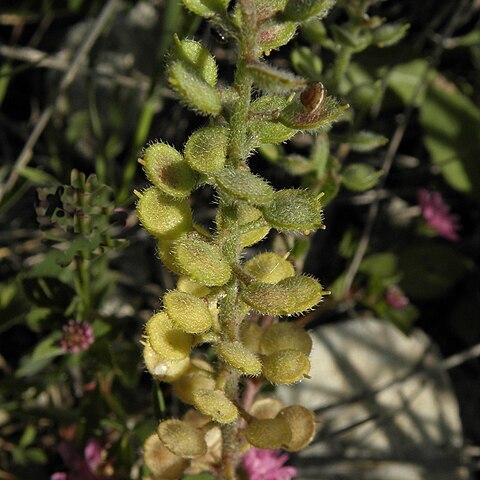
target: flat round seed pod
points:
(284, 336)
(203, 262)
(206, 149)
(161, 461)
(185, 284)
(216, 405)
(266, 407)
(164, 369)
(301, 421)
(187, 312)
(287, 297)
(164, 252)
(239, 357)
(285, 367)
(268, 433)
(269, 267)
(250, 334)
(167, 339)
(163, 216)
(273, 34)
(194, 380)
(294, 209)
(244, 185)
(181, 438)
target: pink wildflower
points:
(261, 464)
(76, 336)
(437, 214)
(396, 298)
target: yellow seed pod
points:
(185, 284)
(250, 334)
(285, 367)
(164, 252)
(164, 369)
(203, 262)
(193, 380)
(268, 433)
(181, 438)
(167, 339)
(284, 336)
(163, 216)
(301, 421)
(195, 418)
(269, 267)
(238, 356)
(266, 407)
(161, 461)
(167, 170)
(216, 405)
(187, 312)
(206, 149)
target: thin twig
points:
(27, 151)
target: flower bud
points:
(302, 10)
(161, 461)
(269, 267)
(181, 438)
(164, 369)
(206, 149)
(239, 357)
(302, 424)
(285, 367)
(285, 336)
(268, 433)
(216, 405)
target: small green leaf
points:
(306, 63)
(206, 149)
(302, 10)
(360, 177)
(41, 357)
(365, 94)
(272, 79)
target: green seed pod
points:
(166, 339)
(164, 251)
(389, 34)
(185, 284)
(239, 357)
(285, 367)
(187, 311)
(306, 63)
(206, 8)
(161, 461)
(360, 177)
(197, 378)
(294, 209)
(266, 407)
(365, 95)
(363, 141)
(314, 31)
(164, 369)
(196, 56)
(216, 405)
(302, 10)
(265, 9)
(272, 79)
(269, 267)
(287, 297)
(250, 334)
(195, 92)
(267, 130)
(201, 261)
(181, 438)
(273, 34)
(162, 216)
(244, 185)
(206, 149)
(168, 171)
(302, 424)
(268, 433)
(285, 336)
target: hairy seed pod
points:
(268, 433)
(198, 377)
(274, 33)
(285, 367)
(216, 405)
(188, 312)
(185, 284)
(266, 407)
(206, 149)
(250, 334)
(164, 369)
(284, 336)
(161, 461)
(301, 421)
(164, 252)
(302, 10)
(167, 339)
(269, 267)
(163, 216)
(181, 438)
(239, 357)
(206, 9)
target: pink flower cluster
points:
(261, 464)
(76, 336)
(396, 298)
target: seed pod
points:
(274, 33)
(250, 334)
(302, 424)
(164, 369)
(271, 79)
(162, 216)
(287, 297)
(188, 312)
(206, 8)
(164, 251)
(185, 284)
(195, 379)
(269, 267)
(302, 10)
(216, 405)
(244, 185)
(268, 433)
(389, 34)
(360, 177)
(166, 339)
(181, 438)
(238, 356)
(266, 407)
(365, 95)
(201, 261)
(206, 149)
(307, 63)
(294, 209)
(285, 367)
(284, 336)
(161, 461)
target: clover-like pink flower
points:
(396, 298)
(76, 336)
(262, 464)
(437, 214)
